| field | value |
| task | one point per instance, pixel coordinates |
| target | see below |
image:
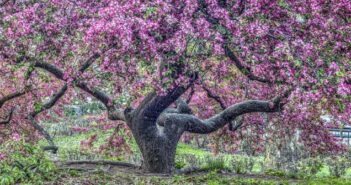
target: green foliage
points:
(24, 163)
(326, 181)
(242, 164)
(309, 167)
(276, 173)
(215, 163)
(338, 166)
(180, 164)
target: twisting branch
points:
(193, 124)
(113, 112)
(59, 74)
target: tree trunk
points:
(158, 148)
(158, 155)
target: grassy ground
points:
(212, 178)
(70, 150)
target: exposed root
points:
(187, 171)
(97, 162)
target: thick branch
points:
(238, 121)
(196, 125)
(154, 105)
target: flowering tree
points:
(247, 55)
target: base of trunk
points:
(158, 156)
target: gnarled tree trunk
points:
(158, 153)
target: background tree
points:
(258, 56)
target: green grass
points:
(211, 178)
(71, 144)
(184, 149)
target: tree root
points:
(97, 162)
(190, 170)
(53, 149)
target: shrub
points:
(338, 166)
(187, 160)
(242, 164)
(276, 173)
(215, 163)
(179, 164)
(309, 167)
(23, 162)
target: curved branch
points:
(195, 125)
(51, 102)
(8, 98)
(114, 114)
(11, 96)
(237, 122)
(46, 135)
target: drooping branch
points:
(8, 98)
(31, 117)
(8, 119)
(203, 7)
(11, 96)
